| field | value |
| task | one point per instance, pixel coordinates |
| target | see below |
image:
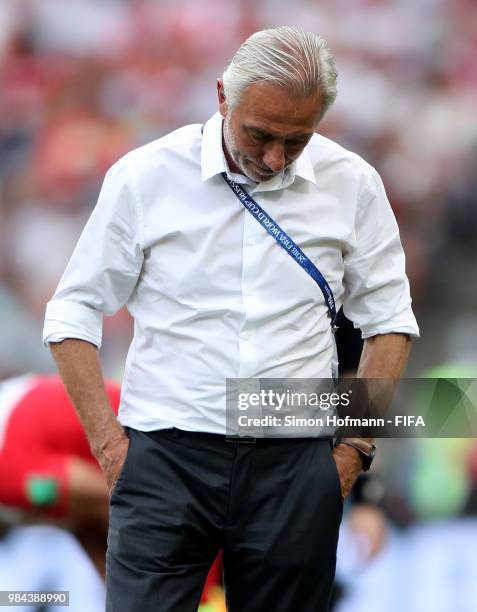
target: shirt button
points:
(251, 241)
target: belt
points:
(202, 435)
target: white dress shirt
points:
(211, 293)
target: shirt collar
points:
(304, 167)
(213, 160)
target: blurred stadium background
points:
(83, 81)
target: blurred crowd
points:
(84, 81)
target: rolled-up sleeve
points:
(377, 295)
(103, 270)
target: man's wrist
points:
(104, 447)
(364, 448)
(351, 457)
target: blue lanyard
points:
(286, 243)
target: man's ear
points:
(221, 98)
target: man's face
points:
(267, 130)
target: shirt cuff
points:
(389, 328)
(64, 319)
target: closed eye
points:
(259, 135)
(297, 141)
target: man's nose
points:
(274, 156)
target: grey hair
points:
(297, 60)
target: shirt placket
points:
(251, 350)
(248, 346)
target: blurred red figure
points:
(47, 468)
(46, 464)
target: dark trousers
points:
(273, 507)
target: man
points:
(214, 297)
